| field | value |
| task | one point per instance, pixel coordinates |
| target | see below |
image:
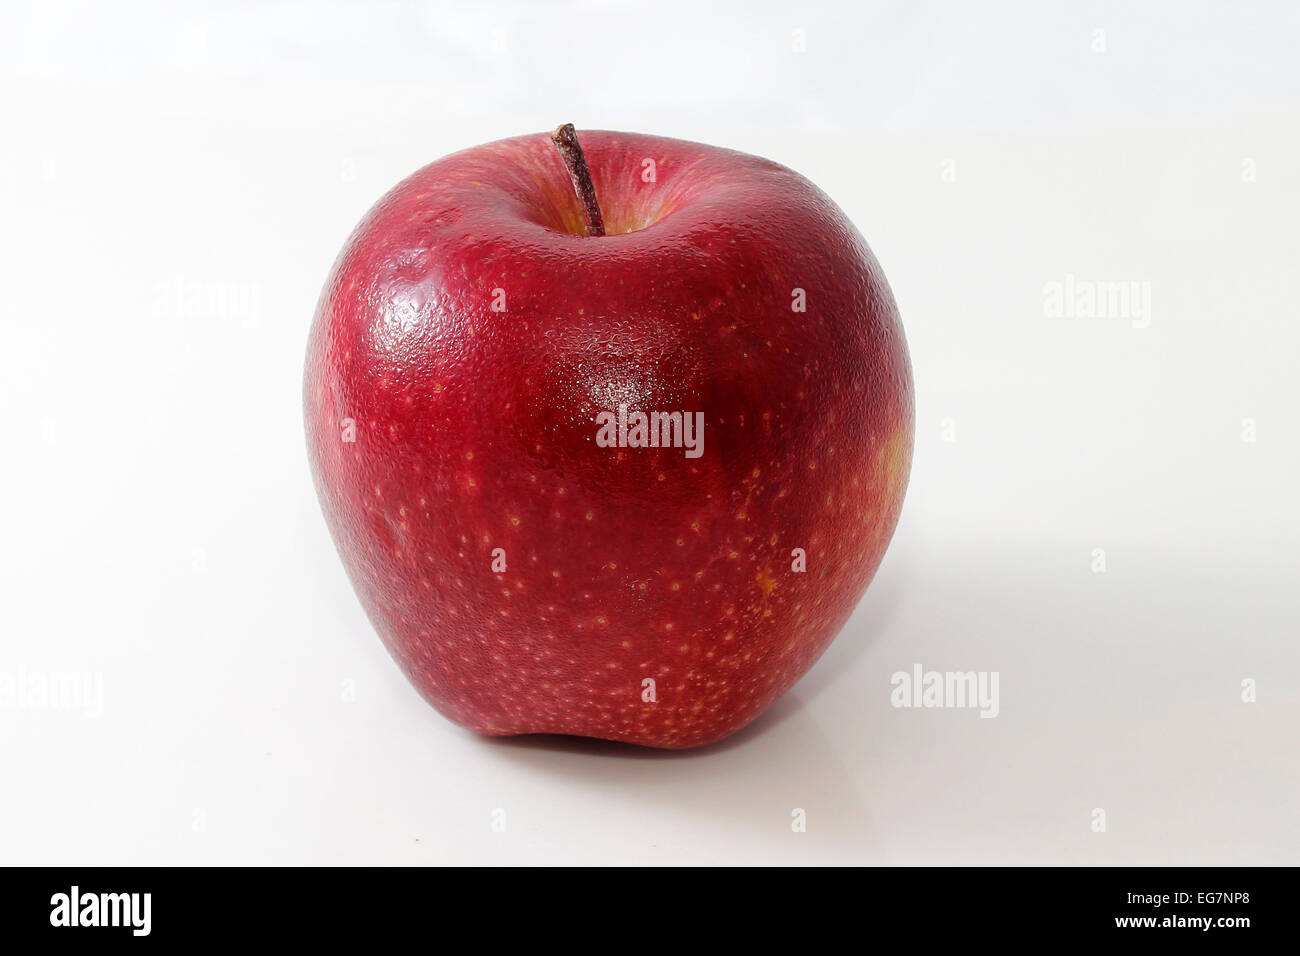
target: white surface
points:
(176, 180)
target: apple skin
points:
(440, 429)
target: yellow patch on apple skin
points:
(889, 474)
(766, 582)
(893, 461)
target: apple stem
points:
(566, 141)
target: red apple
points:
(536, 569)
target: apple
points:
(611, 436)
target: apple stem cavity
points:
(565, 139)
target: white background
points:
(176, 180)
